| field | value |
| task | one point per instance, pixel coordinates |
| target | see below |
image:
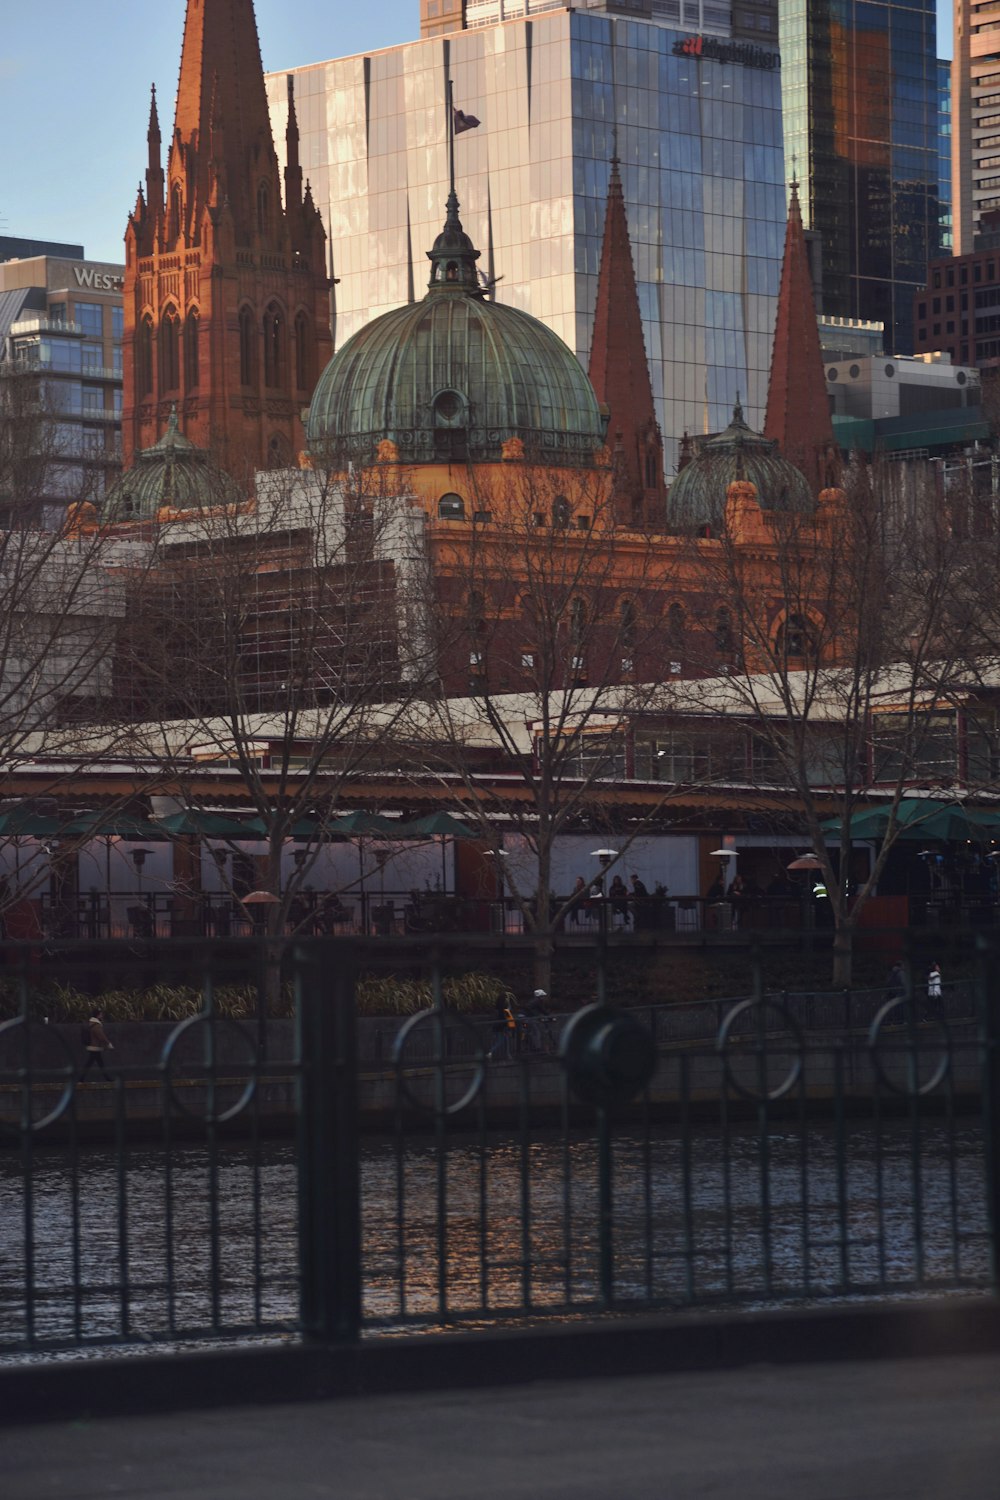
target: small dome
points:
(698, 495)
(455, 377)
(173, 473)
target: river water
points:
(125, 1251)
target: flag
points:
(461, 121)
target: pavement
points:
(908, 1429)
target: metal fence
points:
(227, 1189)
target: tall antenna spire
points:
(451, 142)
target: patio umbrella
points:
(302, 828)
(112, 825)
(24, 823)
(363, 825)
(922, 818)
(438, 825)
(961, 824)
(194, 824)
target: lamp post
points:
(499, 855)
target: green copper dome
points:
(172, 473)
(698, 495)
(454, 377)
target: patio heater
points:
(139, 857)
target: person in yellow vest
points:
(504, 1032)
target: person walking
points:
(934, 992)
(618, 897)
(895, 985)
(97, 1042)
(539, 1030)
(504, 1033)
(577, 897)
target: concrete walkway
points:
(916, 1429)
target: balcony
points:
(44, 325)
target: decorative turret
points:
(453, 256)
(700, 493)
(798, 408)
(619, 370)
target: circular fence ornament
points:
(910, 1053)
(439, 1060)
(751, 1047)
(169, 1056)
(25, 1040)
(609, 1057)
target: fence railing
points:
(398, 913)
(480, 1171)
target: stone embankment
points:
(146, 1067)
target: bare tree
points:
(552, 643)
(275, 638)
(831, 637)
(61, 602)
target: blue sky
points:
(74, 96)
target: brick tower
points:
(619, 372)
(227, 313)
(798, 407)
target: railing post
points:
(329, 1153)
(988, 996)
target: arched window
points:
(651, 470)
(303, 353)
(191, 351)
(629, 624)
(451, 508)
(144, 357)
(723, 632)
(170, 341)
(676, 626)
(263, 208)
(560, 511)
(176, 212)
(279, 453)
(248, 348)
(794, 638)
(274, 347)
(577, 620)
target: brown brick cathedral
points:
(227, 313)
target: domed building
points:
(697, 499)
(172, 475)
(455, 378)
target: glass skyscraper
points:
(945, 239)
(696, 121)
(860, 90)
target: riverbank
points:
(835, 1070)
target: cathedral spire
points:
(619, 369)
(798, 408)
(154, 168)
(227, 311)
(221, 72)
(293, 168)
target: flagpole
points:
(451, 136)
